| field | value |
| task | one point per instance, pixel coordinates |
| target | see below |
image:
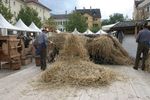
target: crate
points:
(26, 61)
(16, 65)
(37, 60)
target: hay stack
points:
(58, 39)
(107, 50)
(74, 68)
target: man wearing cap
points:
(143, 40)
(43, 41)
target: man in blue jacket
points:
(43, 41)
(143, 40)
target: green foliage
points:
(105, 22)
(29, 15)
(116, 17)
(76, 20)
(95, 29)
(5, 11)
(50, 23)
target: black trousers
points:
(141, 49)
(43, 58)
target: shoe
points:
(143, 68)
(135, 68)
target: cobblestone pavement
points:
(129, 43)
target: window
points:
(86, 18)
(14, 13)
(20, 6)
(6, 1)
(147, 9)
(95, 25)
(95, 19)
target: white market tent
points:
(21, 25)
(34, 27)
(5, 25)
(75, 31)
(100, 32)
(107, 27)
(58, 31)
(87, 32)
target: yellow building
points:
(16, 5)
(93, 16)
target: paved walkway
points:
(17, 87)
(129, 43)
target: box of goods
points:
(16, 65)
(27, 61)
(37, 60)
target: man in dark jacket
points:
(43, 42)
(142, 39)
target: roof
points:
(93, 12)
(5, 24)
(34, 27)
(60, 16)
(144, 3)
(138, 2)
(20, 24)
(37, 2)
(126, 24)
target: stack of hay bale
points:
(73, 66)
(107, 50)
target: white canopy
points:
(6, 25)
(34, 27)
(58, 31)
(101, 32)
(21, 25)
(88, 32)
(107, 27)
(75, 31)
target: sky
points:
(107, 7)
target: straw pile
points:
(107, 50)
(74, 68)
(58, 39)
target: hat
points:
(45, 29)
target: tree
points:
(29, 15)
(5, 11)
(95, 29)
(105, 22)
(50, 23)
(116, 17)
(76, 20)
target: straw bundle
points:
(107, 50)
(78, 73)
(74, 68)
(58, 39)
(73, 49)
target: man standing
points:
(142, 39)
(120, 36)
(42, 41)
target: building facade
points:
(141, 9)
(93, 16)
(16, 5)
(61, 21)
